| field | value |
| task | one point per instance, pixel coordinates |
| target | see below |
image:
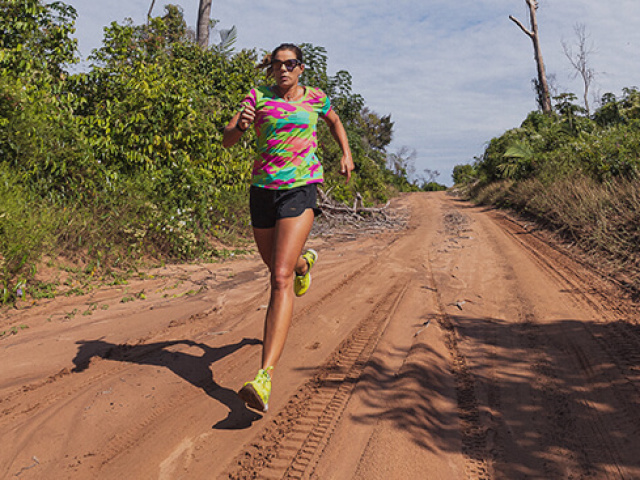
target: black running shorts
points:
(268, 205)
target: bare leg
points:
(264, 239)
(280, 249)
(301, 266)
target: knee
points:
(281, 279)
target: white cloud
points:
(452, 74)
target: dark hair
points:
(289, 46)
(266, 61)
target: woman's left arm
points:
(339, 133)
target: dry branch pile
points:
(340, 219)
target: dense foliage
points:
(603, 146)
(125, 159)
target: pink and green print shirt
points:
(287, 138)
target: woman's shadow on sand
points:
(193, 368)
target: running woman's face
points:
(285, 78)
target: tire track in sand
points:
(619, 339)
(294, 441)
(472, 430)
(573, 423)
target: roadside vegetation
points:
(123, 163)
(574, 172)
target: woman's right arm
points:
(237, 126)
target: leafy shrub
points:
(464, 174)
(26, 228)
(35, 40)
(42, 144)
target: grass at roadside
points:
(602, 218)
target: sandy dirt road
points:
(462, 347)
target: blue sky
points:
(452, 75)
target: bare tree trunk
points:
(153, 2)
(533, 34)
(204, 19)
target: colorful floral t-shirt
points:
(287, 138)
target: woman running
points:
(283, 193)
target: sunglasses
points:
(289, 64)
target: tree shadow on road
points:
(195, 369)
(556, 399)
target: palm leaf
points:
(227, 39)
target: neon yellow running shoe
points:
(256, 393)
(302, 282)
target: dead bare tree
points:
(580, 60)
(545, 100)
(431, 175)
(204, 21)
(402, 163)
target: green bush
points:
(35, 40)
(26, 229)
(42, 144)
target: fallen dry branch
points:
(341, 219)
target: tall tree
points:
(579, 60)
(377, 131)
(532, 33)
(204, 20)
